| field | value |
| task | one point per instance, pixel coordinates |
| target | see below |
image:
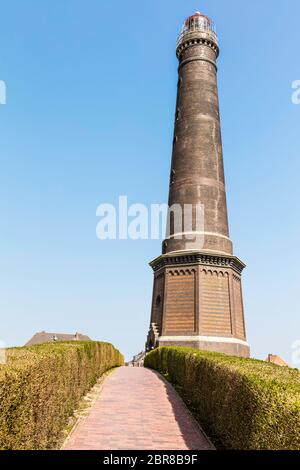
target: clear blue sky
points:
(91, 89)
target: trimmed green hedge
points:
(244, 403)
(40, 387)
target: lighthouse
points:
(197, 291)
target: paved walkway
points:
(137, 409)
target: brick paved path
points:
(137, 409)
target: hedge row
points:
(244, 403)
(40, 387)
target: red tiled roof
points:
(276, 360)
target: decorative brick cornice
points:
(195, 41)
(193, 258)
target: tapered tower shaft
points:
(197, 173)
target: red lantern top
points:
(198, 23)
(197, 17)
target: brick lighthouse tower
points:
(197, 293)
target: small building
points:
(138, 360)
(274, 359)
(44, 337)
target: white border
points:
(209, 339)
(180, 234)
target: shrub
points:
(40, 387)
(244, 403)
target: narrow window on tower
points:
(177, 115)
(172, 176)
(172, 224)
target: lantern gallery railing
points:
(198, 24)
